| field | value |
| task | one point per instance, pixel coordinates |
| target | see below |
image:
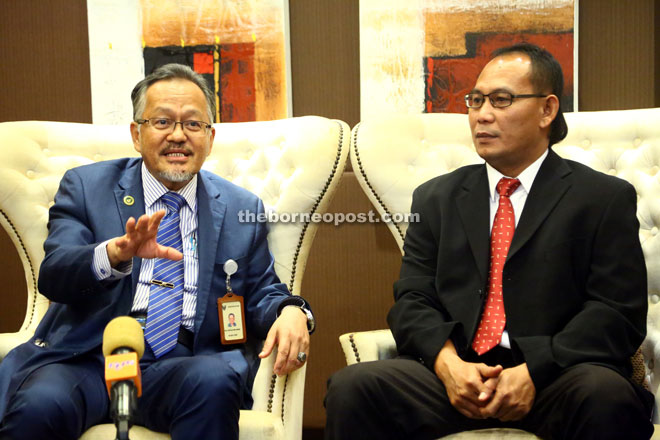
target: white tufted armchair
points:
(294, 165)
(393, 155)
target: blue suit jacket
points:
(89, 209)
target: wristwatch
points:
(297, 301)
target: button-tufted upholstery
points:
(294, 165)
(393, 155)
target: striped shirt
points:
(153, 190)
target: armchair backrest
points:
(393, 155)
(294, 165)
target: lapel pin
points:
(129, 200)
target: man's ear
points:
(549, 110)
(211, 138)
(135, 135)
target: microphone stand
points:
(123, 404)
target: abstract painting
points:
(425, 55)
(241, 47)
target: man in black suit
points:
(529, 326)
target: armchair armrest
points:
(10, 340)
(368, 346)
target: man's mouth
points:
(485, 135)
(177, 152)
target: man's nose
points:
(485, 112)
(178, 134)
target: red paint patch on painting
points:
(449, 79)
(203, 62)
(237, 84)
(448, 82)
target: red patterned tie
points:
(493, 319)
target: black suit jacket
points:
(574, 281)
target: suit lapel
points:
(210, 216)
(129, 197)
(473, 208)
(548, 188)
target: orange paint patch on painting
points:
(445, 32)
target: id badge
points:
(231, 314)
(231, 311)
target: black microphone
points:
(123, 346)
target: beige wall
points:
(351, 268)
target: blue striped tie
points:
(166, 303)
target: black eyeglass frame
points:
(492, 102)
(204, 125)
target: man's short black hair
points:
(546, 76)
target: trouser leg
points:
(191, 397)
(391, 399)
(57, 401)
(591, 402)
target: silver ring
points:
(302, 357)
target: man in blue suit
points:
(102, 257)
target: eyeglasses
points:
(497, 99)
(166, 124)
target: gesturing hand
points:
(140, 241)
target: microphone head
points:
(123, 331)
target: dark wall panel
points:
(616, 54)
(348, 280)
(325, 60)
(13, 300)
(656, 51)
(45, 61)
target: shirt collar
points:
(526, 177)
(154, 189)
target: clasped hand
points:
(479, 391)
